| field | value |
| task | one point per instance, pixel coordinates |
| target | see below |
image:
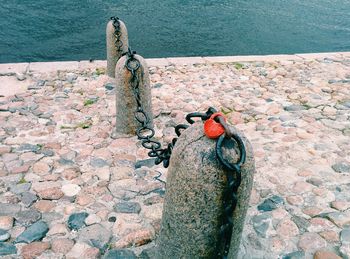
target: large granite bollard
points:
(114, 52)
(126, 104)
(193, 207)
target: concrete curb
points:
(13, 68)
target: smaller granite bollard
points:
(193, 207)
(126, 94)
(117, 43)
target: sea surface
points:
(46, 30)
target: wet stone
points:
(271, 203)
(109, 86)
(120, 253)
(342, 167)
(28, 198)
(7, 249)
(27, 217)
(77, 220)
(295, 255)
(35, 232)
(127, 207)
(4, 235)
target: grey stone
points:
(345, 236)
(113, 55)
(4, 235)
(95, 235)
(148, 253)
(194, 197)
(294, 108)
(76, 220)
(146, 162)
(35, 232)
(126, 104)
(271, 203)
(341, 167)
(47, 152)
(315, 181)
(7, 249)
(98, 162)
(28, 198)
(51, 216)
(27, 148)
(71, 77)
(120, 254)
(261, 223)
(109, 86)
(295, 255)
(63, 161)
(20, 188)
(27, 217)
(127, 207)
(9, 209)
(302, 223)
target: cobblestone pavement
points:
(69, 190)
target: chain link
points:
(117, 34)
(233, 170)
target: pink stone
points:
(340, 205)
(54, 193)
(330, 236)
(137, 238)
(311, 242)
(295, 200)
(63, 245)
(321, 254)
(20, 170)
(311, 211)
(301, 187)
(44, 205)
(33, 250)
(287, 228)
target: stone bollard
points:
(193, 206)
(117, 43)
(126, 104)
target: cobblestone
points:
(57, 151)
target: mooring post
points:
(193, 208)
(133, 95)
(117, 43)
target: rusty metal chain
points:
(145, 133)
(233, 170)
(117, 34)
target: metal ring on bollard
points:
(230, 166)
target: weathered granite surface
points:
(113, 55)
(126, 104)
(193, 206)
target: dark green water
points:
(45, 30)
